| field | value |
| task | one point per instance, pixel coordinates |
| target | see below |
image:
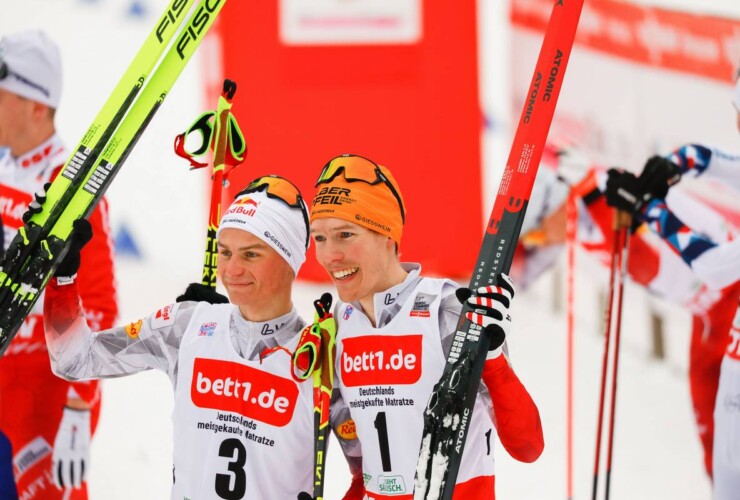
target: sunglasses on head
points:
(5, 72)
(280, 189)
(358, 168)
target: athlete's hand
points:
(81, 234)
(624, 192)
(658, 175)
(198, 292)
(71, 449)
(491, 310)
(35, 206)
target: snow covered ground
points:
(657, 454)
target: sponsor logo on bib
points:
(391, 485)
(228, 386)
(421, 306)
(381, 360)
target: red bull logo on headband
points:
(244, 205)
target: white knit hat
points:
(31, 67)
(282, 227)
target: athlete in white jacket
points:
(242, 426)
(394, 331)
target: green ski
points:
(42, 243)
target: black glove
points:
(305, 496)
(35, 206)
(198, 292)
(81, 233)
(658, 175)
(624, 191)
(491, 308)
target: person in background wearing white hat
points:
(242, 426)
(49, 421)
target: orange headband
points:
(354, 189)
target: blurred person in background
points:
(389, 311)
(715, 262)
(48, 421)
(651, 262)
(242, 426)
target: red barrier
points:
(413, 107)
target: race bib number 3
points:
(381, 359)
(227, 386)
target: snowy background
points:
(162, 205)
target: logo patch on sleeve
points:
(347, 430)
(165, 316)
(133, 329)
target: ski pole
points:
(624, 235)
(615, 275)
(229, 151)
(571, 227)
(605, 362)
(317, 349)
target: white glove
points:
(71, 449)
(491, 310)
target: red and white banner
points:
(702, 45)
(641, 80)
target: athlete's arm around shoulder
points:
(77, 353)
(515, 414)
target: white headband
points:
(280, 226)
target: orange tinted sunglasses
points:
(280, 189)
(358, 168)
